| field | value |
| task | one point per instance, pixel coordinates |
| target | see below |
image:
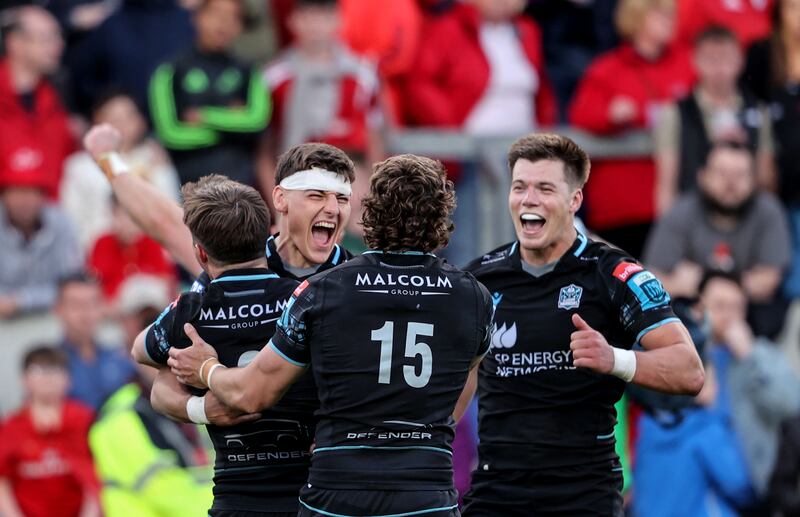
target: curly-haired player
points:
(390, 337)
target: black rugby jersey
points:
(338, 255)
(259, 464)
(536, 410)
(390, 339)
(275, 263)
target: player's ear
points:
(279, 199)
(576, 201)
(200, 254)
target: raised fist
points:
(102, 139)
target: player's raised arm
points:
(259, 385)
(156, 214)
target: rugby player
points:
(312, 196)
(315, 205)
(390, 337)
(262, 460)
(568, 312)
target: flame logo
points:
(504, 337)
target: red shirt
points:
(622, 192)
(49, 472)
(748, 19)
(452, 72)
(354, 109)
(112, 262)
(33, 141)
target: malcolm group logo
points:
(504, 337)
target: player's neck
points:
(215, 271)
(289, 251)
(552, 252)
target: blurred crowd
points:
(200, 86)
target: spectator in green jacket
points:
(208, 108)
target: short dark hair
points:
(307, 156)
(716, 34)
(409, 205)
(230, 220)
(718, 274)
(44, 355)
(246, 16)
(549, 146)
(729, 145)
(79, 277)
(107, 96)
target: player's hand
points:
(102, 139)
(739, 339)
(185, 362)
(222, 415)
(589, 348)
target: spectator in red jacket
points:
(623, 90)
(34, 130)
(748, 19)
(46, 467)
(126, 251)
(480, 68)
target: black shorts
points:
(237, 513)
(319, 502)
(579, 491)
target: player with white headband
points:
(312, 196)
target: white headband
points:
(317, 179)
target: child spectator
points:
(45, 464)
(126, 251)
(96, 371)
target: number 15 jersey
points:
(390, 339)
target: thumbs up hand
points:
(590, 349)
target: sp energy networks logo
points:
(504, 337)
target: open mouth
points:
(322, 233)
(532, 222)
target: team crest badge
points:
(570, 297)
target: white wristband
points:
(113, 164)
(196, 410)
(624, 364)
(211, 372)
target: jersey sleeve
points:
(291, 337)
(640, 300)
(167, 331)
(486, 309)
